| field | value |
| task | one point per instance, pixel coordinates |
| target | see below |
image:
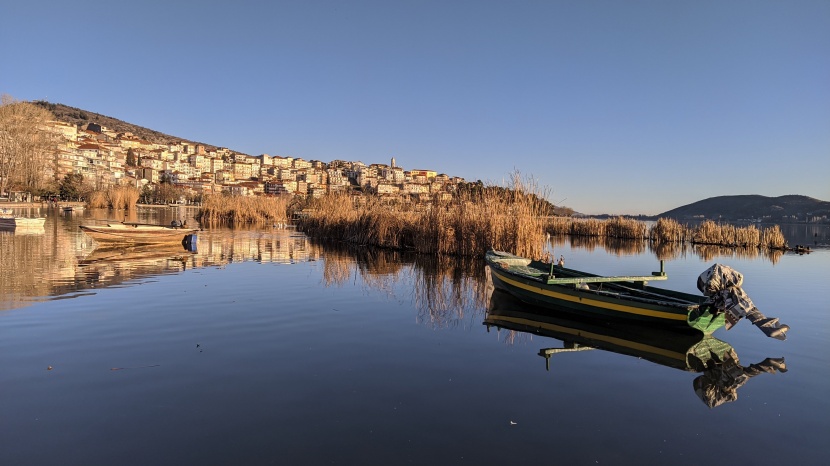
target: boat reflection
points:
(138, 256)
(721, 373)
(112, 264)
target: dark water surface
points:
(264, 347)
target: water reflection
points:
(22, 230)
(59, 260)
(662, 251)
(63, 262)
(721, 373)
(445, 290)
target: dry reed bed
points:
(467, 227)
(670, 231)
(221, 209)
(711, 233)
(510, 220)
(116, 197)
(619, 227)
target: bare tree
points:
(26, 146)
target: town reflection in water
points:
(721, 373)
(60, 261)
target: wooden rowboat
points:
(137, 233)
(620, 297)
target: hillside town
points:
(108, 158)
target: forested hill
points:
(791, 207)
(82, 118)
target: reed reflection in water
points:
(445, 290)
(662, 251)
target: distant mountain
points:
(752, 207)
(82, 118)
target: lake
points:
(266, 347)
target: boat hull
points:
(647, 304)
(143, 234)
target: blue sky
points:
(616, 107)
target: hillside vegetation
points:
(82, 118)
(752, 207)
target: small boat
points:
(621, 297)
(137, 233)
(11, 221)
(722, 301)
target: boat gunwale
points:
(674, 299)
(624, 305)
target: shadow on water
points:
(721, 373)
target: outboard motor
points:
(721, 285)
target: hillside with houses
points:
(109, 152)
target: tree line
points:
(25, 148)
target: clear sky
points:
(632, 107)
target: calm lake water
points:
(264, 347)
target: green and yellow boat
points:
(618, 297)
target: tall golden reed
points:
(98, 200)
(238, 210)
(114, 197)
(667, 230)
(619, 227)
